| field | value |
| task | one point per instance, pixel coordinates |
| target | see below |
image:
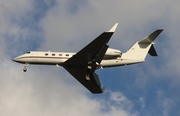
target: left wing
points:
(83, 64)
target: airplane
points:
(97, 54)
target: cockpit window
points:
(28, 52)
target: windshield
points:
(28, 52)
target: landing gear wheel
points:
(89, 67)
(24, 69)
(87, 77)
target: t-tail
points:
(140, 49)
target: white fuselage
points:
(112, 58)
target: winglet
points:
(113, 28)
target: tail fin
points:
(140, 49)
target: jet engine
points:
(112, 53)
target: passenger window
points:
(46, 54)
(67, 54)
(60, 54)
(53, 54)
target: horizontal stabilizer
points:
(151, 37)
(152, 51)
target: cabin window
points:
(60, 54)
(53, 54)
(67, 54)
(46, 54)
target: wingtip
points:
(160, 30)
(113, 28)
(103, 89)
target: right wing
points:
(91, 55)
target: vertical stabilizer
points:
(140, 49)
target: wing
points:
(83, 64)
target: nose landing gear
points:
(87, 77)
(25, 67)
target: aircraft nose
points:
(19, 59)
(15, 59)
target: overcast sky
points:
(150, 88)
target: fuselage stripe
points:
(43, 57)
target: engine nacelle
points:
(112, 53)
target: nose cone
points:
(15, 59)
(20, 59)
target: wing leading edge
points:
(83, 64)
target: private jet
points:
(97, 54)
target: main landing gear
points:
(88, 77)
(89, 70)
(25, 67)
(91, 66)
